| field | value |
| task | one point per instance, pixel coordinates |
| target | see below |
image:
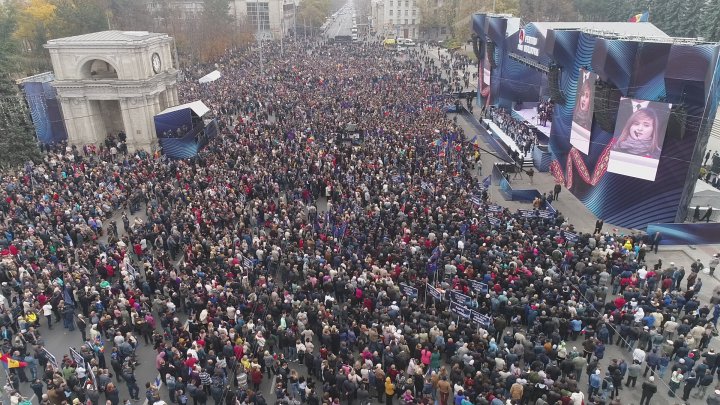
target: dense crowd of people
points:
(341, 273)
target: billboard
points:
(583, 113)
(485, 76)
(638, 140)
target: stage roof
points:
(198, 107)
(210, 77)
(644, 29)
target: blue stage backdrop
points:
(621, 199)
(686, 234)
(45, 110)
(681, 76)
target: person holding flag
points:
(10, 362)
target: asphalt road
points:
(340, 23)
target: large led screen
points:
(638, 138)
(484, 70)
(583, 113)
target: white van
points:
(405, 42)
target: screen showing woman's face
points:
(642, 129)
(585, 100)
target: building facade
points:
(395, 18)
(114, 81)
(273, 19)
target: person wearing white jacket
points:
(577, 397)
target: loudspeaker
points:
(554, 85)
(478, 48)
(491, 53)
(607, 102)
(678, 121)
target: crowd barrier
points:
(506, 189)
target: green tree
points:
(8, 48)
(77, 17)
(710, 23)
(548, 10)
(690, 10)
(604, 10)
(667, 16)
(17, 137)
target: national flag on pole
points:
(247, 262)
(642, 17)
(487, 181)
(12, 363)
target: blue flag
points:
(487, 182)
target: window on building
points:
(413, 21)
(391, 12)
(391, 3)
(258, 15)
(407, 3)
(391, 22)
(414, 12)
(406, 13)
(406, 21)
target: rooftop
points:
(107, 37)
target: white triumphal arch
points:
(114, 81)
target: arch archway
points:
(97, 68)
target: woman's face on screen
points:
(642, 128)
(585, 100)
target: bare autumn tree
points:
(133, 15)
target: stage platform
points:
(507, 141)
(531, 115)
(572, 208)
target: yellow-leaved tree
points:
(34, 22)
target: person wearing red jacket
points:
(256, 377)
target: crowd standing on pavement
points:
(282, 255)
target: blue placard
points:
(479, 287)
(460, 310)
(434, 292)
(481, 319)
(458, 297)
(408, 290)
